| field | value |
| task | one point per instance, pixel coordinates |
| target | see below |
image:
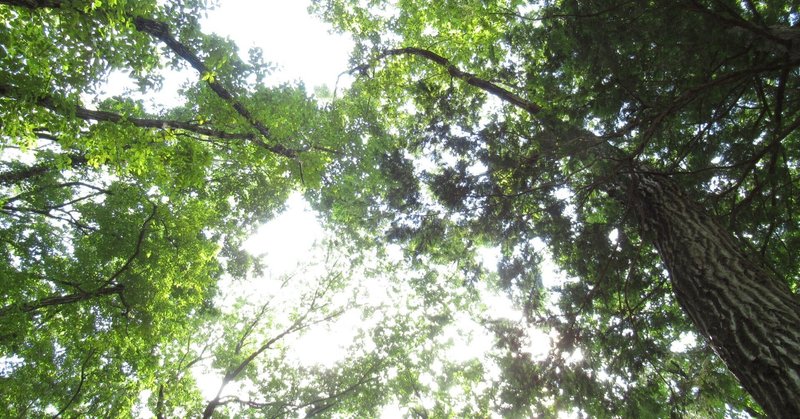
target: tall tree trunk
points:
(750, 317)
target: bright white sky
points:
(300, 44)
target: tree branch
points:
(297, 325)
(33, 4)
(232, 374)
(15, 176)
(331, 400)
(87, 114)
(471, 79)
(97, 191)
(80, 385)
(160, 403)
(63, 299)
(105, 289)
(160, 31)
(137, 250)
(105, 116)
(69, 218)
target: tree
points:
(117, 223)
(122, 226)
(652, 147)
(250, 348)
(612, 130)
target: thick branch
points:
(471, 79)
(58, 300)
(33, 4)
(87, 114)
(568, 142)
(15, 176)
(161, 31)
(105, 116)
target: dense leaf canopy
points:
(511, 122)
(470, 127)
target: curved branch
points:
(160, 31)
(104, 116)
(80, 385)
(569, 141)
(471, 79)
(142, 234)
(104, 290)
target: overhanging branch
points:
(487, 86)
(104, 116)
(160, 31)
(563, 140)
(58, 300)
(33, 4)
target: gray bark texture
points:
(749, 316)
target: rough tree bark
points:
(750, 317)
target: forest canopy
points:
(649, 150)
